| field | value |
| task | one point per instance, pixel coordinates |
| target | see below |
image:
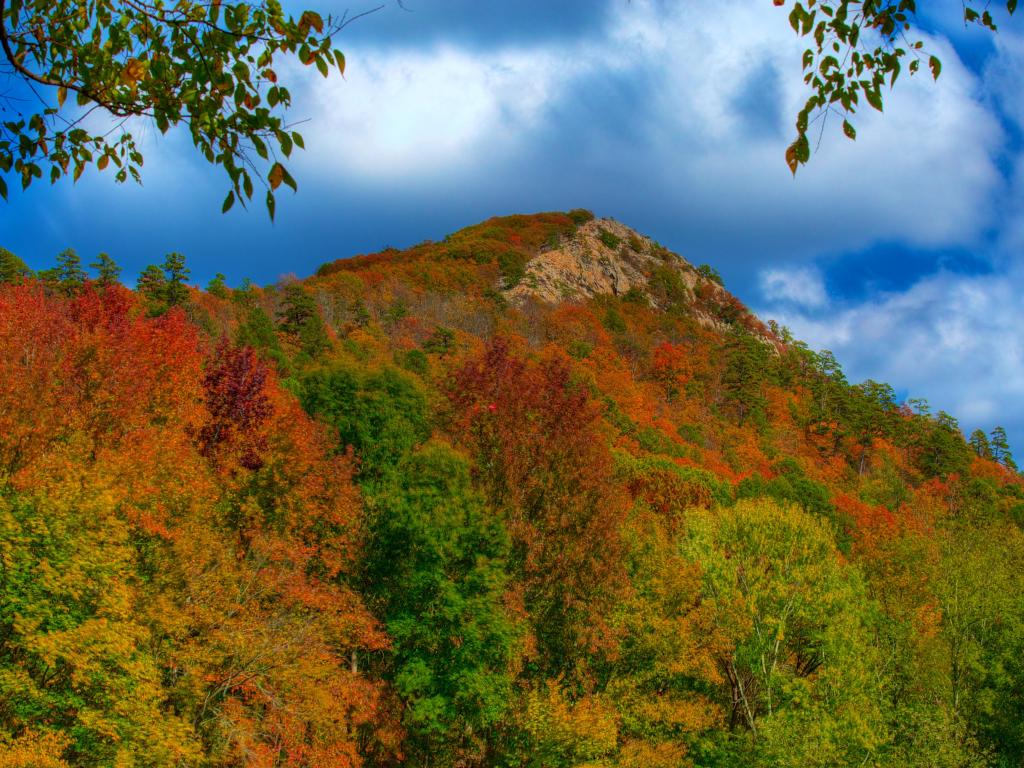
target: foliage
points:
(435, 570)
(472, 532)
(12, 269)
(856, 49)
(207, 66)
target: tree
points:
(12, 269)
(300, 318)
(797, 682)
(857, 48)
(979, 444)
(205, 65)
(107, 271)
(218, 286)
(69, 272)
(435, 572)
(151, 284)
(1000, 447)
(175, 275)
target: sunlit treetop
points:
(208, 65)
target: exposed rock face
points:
(603, 257)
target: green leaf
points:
(299, 141)
(1011, 6)
(849, 130)
(936, 67)
(3, 188)
(270, 204)
(229, 201)
(874, 97)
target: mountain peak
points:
(603, 257)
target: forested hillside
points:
(541, 494)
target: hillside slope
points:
(540, 494)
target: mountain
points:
(543, 493)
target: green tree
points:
(744, 377)
(435, 573)
(152, 285)
(69, 273)
(218, 286)
(1000, 447)
(175, 277)
(978, 590)
(107, 271)
(207, 66)
(12, 269)
(979, 444)
(383, 416)
(299, 317)
(798, 682)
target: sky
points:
(902, 252)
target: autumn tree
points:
(541, 458)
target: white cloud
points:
(419, 113)
(953, 339)
(802, 286)
(922, 174)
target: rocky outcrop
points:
(603, 257)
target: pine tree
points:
(107, 270)
(979, 444)
(70, 275)
(176, 275)
(218, 287)
(12, 269)
(1001, 448)
(300, 319)
(152, 284)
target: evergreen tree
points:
(70, 275)
(980, 445)
(300, 319)
(176, 275)
(107, 270)
(1001, 448)
(12, 269)
(746, 362)
(218, 287)
(152, 284)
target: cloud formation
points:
(802, 286)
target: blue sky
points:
(902, 252)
